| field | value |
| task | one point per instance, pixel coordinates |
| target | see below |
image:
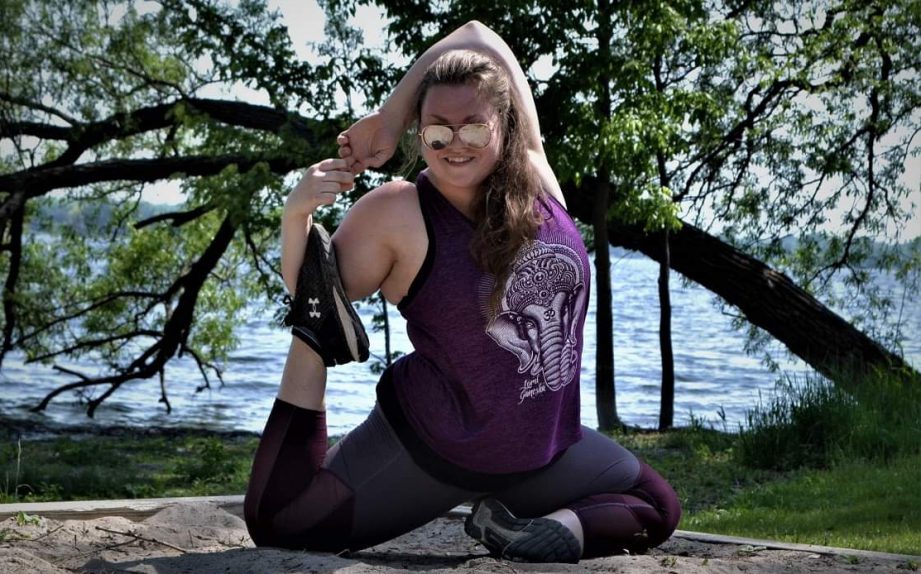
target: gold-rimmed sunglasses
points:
(438, 137)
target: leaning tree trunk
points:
(768, 299)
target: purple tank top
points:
(503, 399)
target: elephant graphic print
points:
(539, 316)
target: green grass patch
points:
(124, 466)
(812, 422)
(858, 505)
(816, 465)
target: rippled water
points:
(713, 374)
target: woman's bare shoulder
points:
(398, 190)
(384, 236)
(393, 204)
(392, 195)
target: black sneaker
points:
(320, 314)
(521, 539)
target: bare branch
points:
(178, 218)
(83, 136)
(92, 343)
(43, 179)
(37, 106)
(156, 297)
(258, 256)
(202, 368)
(35, 129)
(715, 157)
(163, 397)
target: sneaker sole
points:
(510, 538)
(345, 311)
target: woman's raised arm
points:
(372, 140)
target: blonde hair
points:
(505, 213)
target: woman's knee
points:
(651, 487)
(329, 535)
(642, 517)
(319, 519)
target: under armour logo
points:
(313, 302)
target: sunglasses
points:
(438, 137)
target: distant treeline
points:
(88, 217)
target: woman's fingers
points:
(345, 150)
(335, 170)
(357, 167)
(332, 164)
(334, 177)
(321, 184)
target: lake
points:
(715, 380)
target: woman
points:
(492, 277)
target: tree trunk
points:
(767, 298)
(667, 401)
(388, 354)
(605, 384)
(605, 396)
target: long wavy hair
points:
(505, 211)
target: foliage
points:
(814, 423)
(23, 519)
(99, 99)
(205, 460)
(126, 465)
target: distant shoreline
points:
(13, 428)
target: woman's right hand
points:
(369, 142)
(321, 184)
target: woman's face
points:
(458, 166)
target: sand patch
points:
(202, 538)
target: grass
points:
(813, 466)
(859, 504)
(855, 505)
(124, 466)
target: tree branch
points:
(175, 331)
(157, 297)
(202, 366)
(36, 106)
(91, 343)
(43, 179)
(83, 136)
(178, 218)
(34, 129)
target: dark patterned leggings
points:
(367, 489)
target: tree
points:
(98, 99)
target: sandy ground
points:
(202, 538)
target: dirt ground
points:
(202, 538)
